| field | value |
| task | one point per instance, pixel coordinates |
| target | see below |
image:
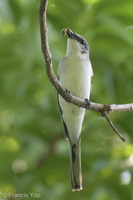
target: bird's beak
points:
(70, 33)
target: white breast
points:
(75, 74)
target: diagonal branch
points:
(104, 114)
(48, 59)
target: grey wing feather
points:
(64, 124)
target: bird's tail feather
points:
(75, 162)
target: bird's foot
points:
(88, 103)
(67, 91)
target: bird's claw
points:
(88, 102)
(67, 91)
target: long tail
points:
(75, 162)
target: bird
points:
(74, 73)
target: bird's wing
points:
(64, 124)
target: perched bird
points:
(75, 73)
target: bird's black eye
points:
(82, 42)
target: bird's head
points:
(76, 43)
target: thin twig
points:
(112, 126)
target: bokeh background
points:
(34, 156)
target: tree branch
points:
(60, 89)
(103, 113)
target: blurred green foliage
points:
(34, 155)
